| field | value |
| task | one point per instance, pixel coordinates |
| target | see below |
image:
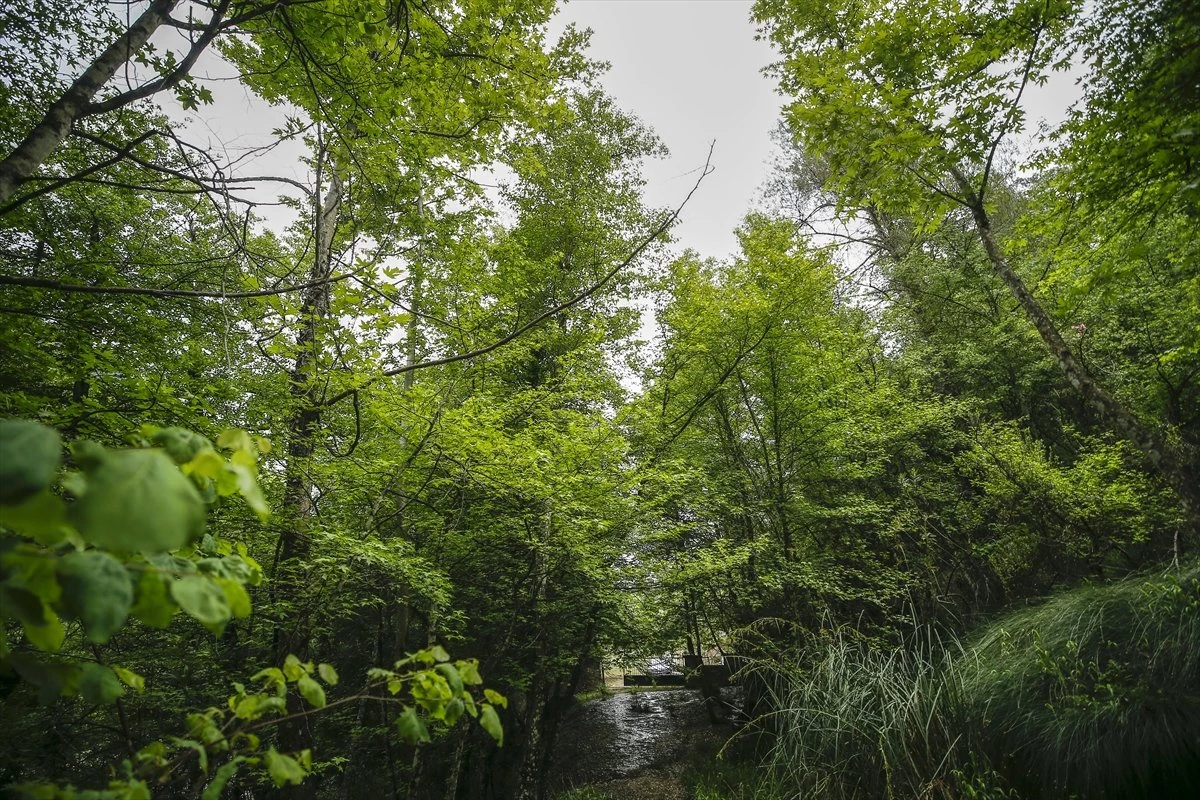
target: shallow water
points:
(618, 736)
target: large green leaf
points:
(180, 444)
(283, 769)
(138, 500)
(48, 636)
(220, 778)
(30, 454)
(328, 674)
(410, 727)
(97, 590)
(311, 691)
(154, 605)
(490, 721)
(203, 599)
(41, 517)
(51, 678)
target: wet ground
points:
(634, 745)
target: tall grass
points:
(1094, 694)
(856, 722)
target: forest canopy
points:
(346, 484)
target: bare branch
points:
(145, 291)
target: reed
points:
(1096, 692)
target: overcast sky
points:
(691, 70)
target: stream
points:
(633, 745)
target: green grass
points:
(856, 722)
(585, 793)
(1096, 692)
(725, 780)
(1093, 694)
(593, 694)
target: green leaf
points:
(489, 720)
(410, 727)
(199, 748)
(248, 488)
(138, 500)
(495, 697)
(439, 653)
(469, 672)
(247, 707)
(220, 778)
(154, 605)
(30, 454)
(236, 596)
(99, 685)
(40, 517)
(283, 769)
(234, 439)
(293, 669)
(180, 444)
(311, 691)
(454, 711)
(328, 674)
(18, 602)
(271, 676)
(96, 590)
(52, 679)
(130, 679)
(452, 677)
(48, 636)
(203, 600)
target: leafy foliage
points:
(415, 412)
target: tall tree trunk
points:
(291, 636)
(1170, 462)
(19, 165)
(529, 773)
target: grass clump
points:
(853, 721)
(1096, 692)
(1093, 694)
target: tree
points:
(929, 94)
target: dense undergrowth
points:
(1095, 693)
(1092, 694)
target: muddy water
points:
(628, 736)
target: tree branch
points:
(646, 241)
(50, 132)
(167, 81)
(145, 291)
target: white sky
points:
(691, 70)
